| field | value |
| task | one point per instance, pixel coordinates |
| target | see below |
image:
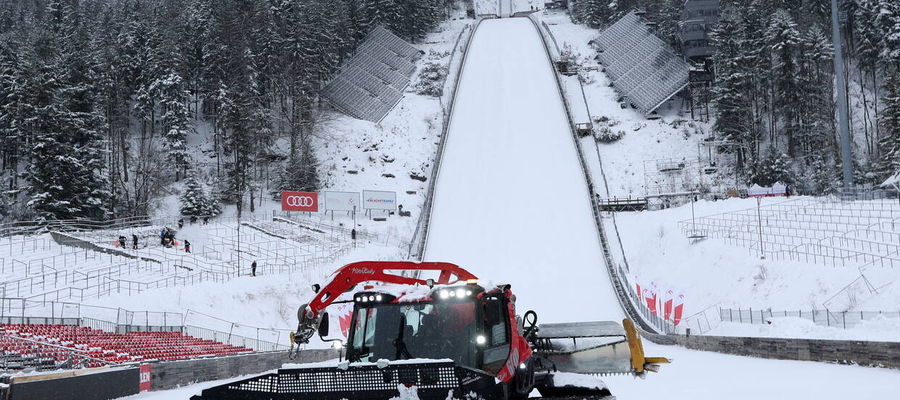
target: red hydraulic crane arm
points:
(381, 271)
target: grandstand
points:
(50, 270)
(830, 231)
(371, 82)
(643, 69)
(61, 346)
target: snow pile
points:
(567, 379)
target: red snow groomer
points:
(444, 338)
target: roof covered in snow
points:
(371, 82)
(643, 68)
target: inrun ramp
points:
(511, 202)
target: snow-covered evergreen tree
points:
(889, 161)
(97, 98)
(733, 84)
(783, 39)
(195, 201)
(816, 115)
(175, 120)
(66, 161)
(773, 167)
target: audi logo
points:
(300, 201)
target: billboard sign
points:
(299, 201)
(342, 201)
(379, 200)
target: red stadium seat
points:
(110, 347)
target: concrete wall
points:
(879, 354)
(89, 384)
(171, 374)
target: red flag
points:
(679, 309)
(650, 298)
(667, 308)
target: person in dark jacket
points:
(134, 241)
(187, 246)
(253, 268)
(122, 241)
(181, 223)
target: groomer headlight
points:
(457, 293)
(370, 298)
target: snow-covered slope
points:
(511, 204)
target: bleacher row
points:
(43, 346)
(642, 67)
(372, 81)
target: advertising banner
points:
(145, 382)
(299, 201)
(342, 201)
(379, 200)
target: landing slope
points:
(511, 203)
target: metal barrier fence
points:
(67, 312)
(69, 225)
(255, 344)
(162, 269)
(198, 319)
(833, 231)
(843, 319)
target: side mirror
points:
(429, 283)
(316, 288)
(323, 326)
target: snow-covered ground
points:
(511, 204)
(396, 153)
(268, 301)
(698, 375)
(736, 277)
(671, 136)
(658, 252)
(506, 159)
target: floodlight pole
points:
(843, 119)
(762, 251)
